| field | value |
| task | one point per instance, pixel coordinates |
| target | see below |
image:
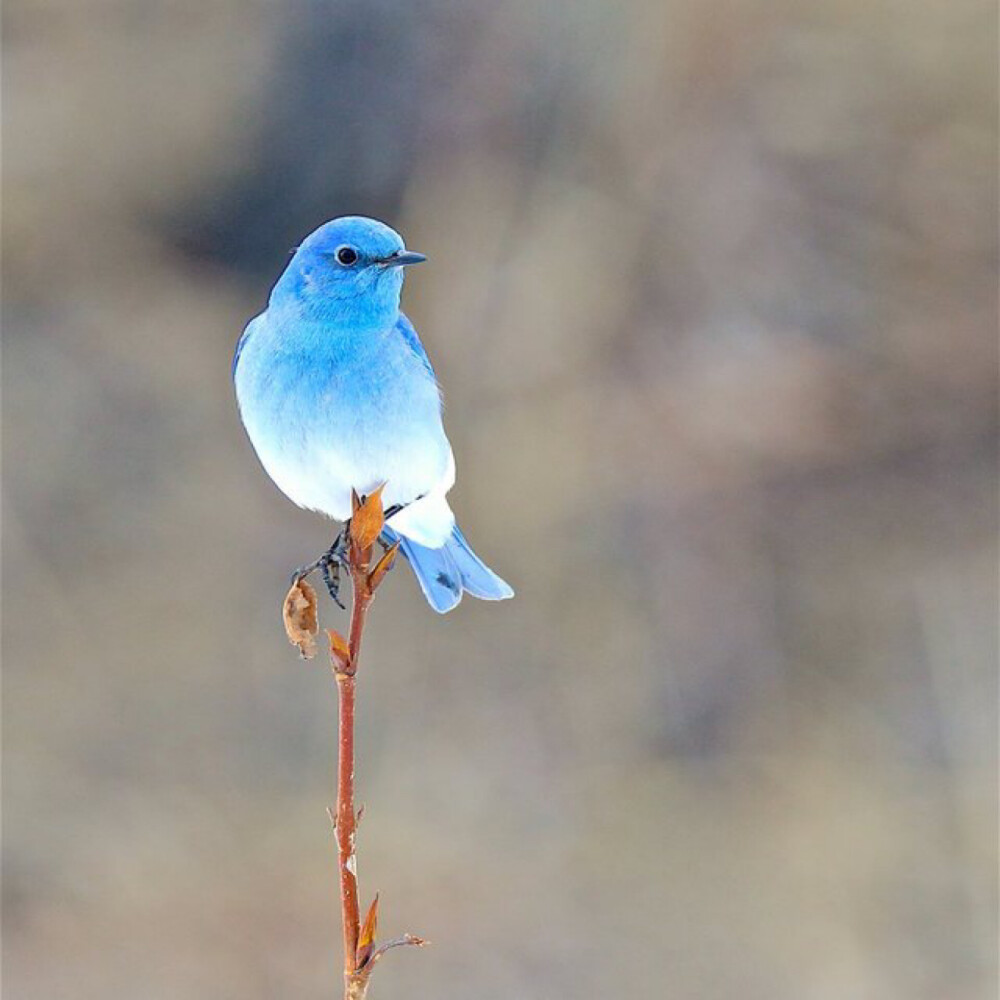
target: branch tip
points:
(367, 521)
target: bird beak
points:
(403, 258)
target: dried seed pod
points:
(300, 618)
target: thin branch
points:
(301, 623)
(347, 819)
(345, 823)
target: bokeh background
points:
(712, 296)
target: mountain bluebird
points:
(337, 393)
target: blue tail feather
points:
(444, 573)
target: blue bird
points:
(337, 393)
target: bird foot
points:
(329, 564)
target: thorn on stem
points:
(400, 942)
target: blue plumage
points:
(337, 393)
(444, 573)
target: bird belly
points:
(320, 432)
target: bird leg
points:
(329, 564)
(335, 557)
(331, 577)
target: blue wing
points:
(409, 334)
(242, 342)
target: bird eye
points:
(346, 255)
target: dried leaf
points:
(366, 942)
(366, 524)
(382, 567)
(340, 651)
(301, 621)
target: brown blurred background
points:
(712, 296)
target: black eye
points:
(346, 255)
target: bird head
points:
(351, 267)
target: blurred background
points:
(712, 296)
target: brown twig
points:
(344, 825)
(360, 951)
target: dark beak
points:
(403, 258)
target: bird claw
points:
(331, 577)
(335, 557)
(329, 564)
